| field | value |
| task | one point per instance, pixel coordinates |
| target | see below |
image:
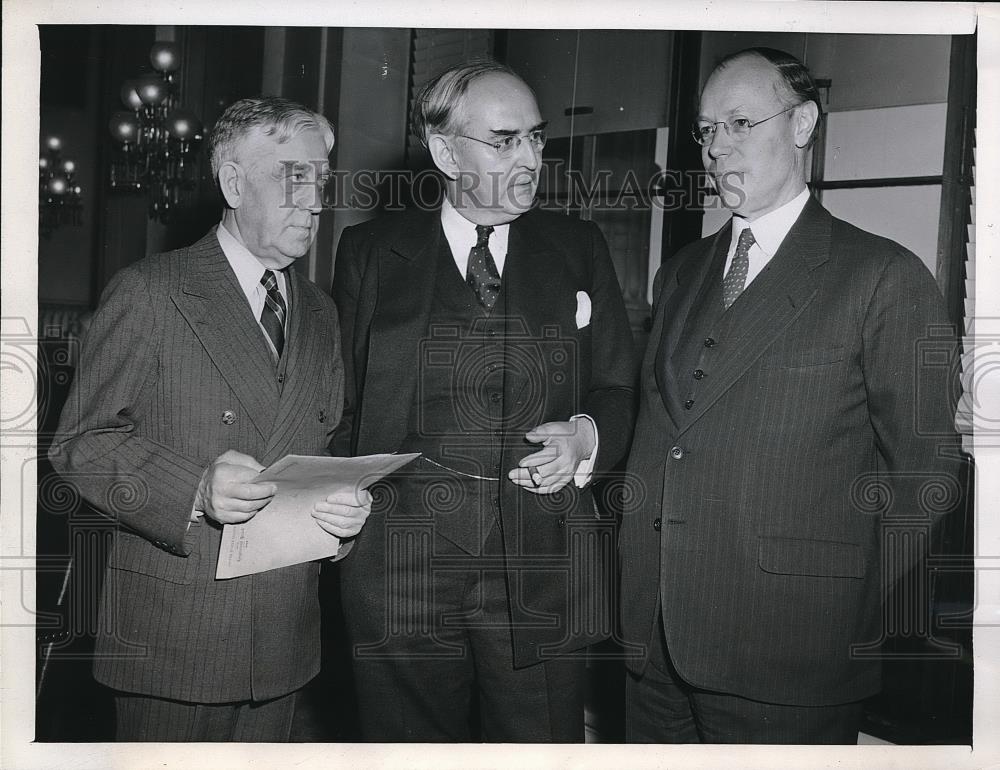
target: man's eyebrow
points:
(512, 132)
(296, 167)
(739, 109)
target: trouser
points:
(446, 641)
(663, 708)
(147, 718)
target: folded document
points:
(284, 532)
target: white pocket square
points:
(582, 309)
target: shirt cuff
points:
(195, 516)
(585, 470)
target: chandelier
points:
(156, 139)
(59, 199)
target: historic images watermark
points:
(561, 188)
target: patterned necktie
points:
(482, 274)
(736, 278)
(272, 315)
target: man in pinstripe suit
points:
(202, 366)
(783, 384)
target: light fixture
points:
(156, 140)
(59, 196)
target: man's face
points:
(492, 189)
(765, 170)
(281, 196)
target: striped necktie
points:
(272, 315)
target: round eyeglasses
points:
(737, 128)
(506, 146)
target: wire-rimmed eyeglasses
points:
(737, 128)
(506, 146)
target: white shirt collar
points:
(247, 267)
(770, 229)
(461, 235)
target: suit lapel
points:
(212, 302)
(306, 346)
(770, 304)
(407, 270)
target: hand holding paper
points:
(317, 501)
(344, 512)
(229, 492)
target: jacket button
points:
(709, 342)
(562, 521)
(657, 524)
(689, 403)
(228, 417)
(495, 397)
(698, 374)
(676, 452)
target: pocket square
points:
(582, 309)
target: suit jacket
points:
(174, 371)
(754, 527)
(384, 287)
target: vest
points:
(456, 416)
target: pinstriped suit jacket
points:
(174, 346)
(753, 532)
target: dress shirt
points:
(461, 235)
(768, 233)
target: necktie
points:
(272, 315)
(736, 278)
(482, 274)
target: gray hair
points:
(272, 115)
(436, 109)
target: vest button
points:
(495, 398)
(676, 452)
(228, 417)
(689, 403)
(698, 374)
(709, 342)
(657, 524)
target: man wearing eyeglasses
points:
(493, 339)
(789, 433)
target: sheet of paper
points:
(284, 532)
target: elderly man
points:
(783, 385)
(201, 366)
(493, 339)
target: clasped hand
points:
(564, 446)
(228, 494)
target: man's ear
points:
(443, 155)
(806, 116)
(231, 181)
